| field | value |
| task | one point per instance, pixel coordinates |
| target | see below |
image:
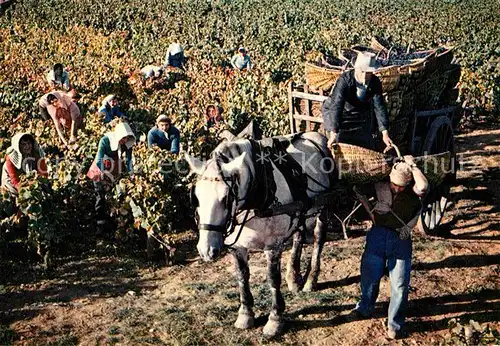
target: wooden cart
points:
(419, 133)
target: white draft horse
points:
(240, 178)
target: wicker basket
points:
(399, 128)
(416, 70)
(454, 73)
(444, 60)
(321, 78)
(377, 44)
(390, 78)
(431, 64)
(393, 101)
(349, 55)
(363, 49)
(449, 96)
(435, 167)
(315, 107)
(360, 165)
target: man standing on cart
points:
(347, 112)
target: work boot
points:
(392, 334)
(355, 315)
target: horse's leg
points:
(275, 323)
(319, 241)
(293, 276)
(245, 313)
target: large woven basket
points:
(348, 54)
(444, 59)
(360, 165)
(435, 167)
(399, 128)
(315, 107)
(394, 102)
(390, 77)
(321, 78)
(378, 44)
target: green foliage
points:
(156, 197)
(6, 335)
(105, 44)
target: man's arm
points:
(151, 139)
(421, 186)
(66, 84)
(233, 61)
(249, 64)
(365, 203)
(174, 147)
(380, 108)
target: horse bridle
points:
(231, 203)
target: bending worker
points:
(347, 112)
(388, 242)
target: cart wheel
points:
(439, 140)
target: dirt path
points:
(106, 301)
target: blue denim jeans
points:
(383, 247)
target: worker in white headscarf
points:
(23, 157)
(388, 242)
(175, 56)
(113, 158)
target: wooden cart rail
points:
(312, 108)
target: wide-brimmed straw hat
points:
(365, 62)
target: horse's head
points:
(216, 196)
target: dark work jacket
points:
(406, 205)
(344, 111)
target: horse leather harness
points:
(262, 187)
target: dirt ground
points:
(104, 300)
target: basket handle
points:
(396, 149)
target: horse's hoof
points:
(244, 321)
(273, 328)
(293, 287)
(309, 287)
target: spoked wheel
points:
(439, 140)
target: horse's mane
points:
(233, 149)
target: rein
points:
(231, 204)
(259, 187)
